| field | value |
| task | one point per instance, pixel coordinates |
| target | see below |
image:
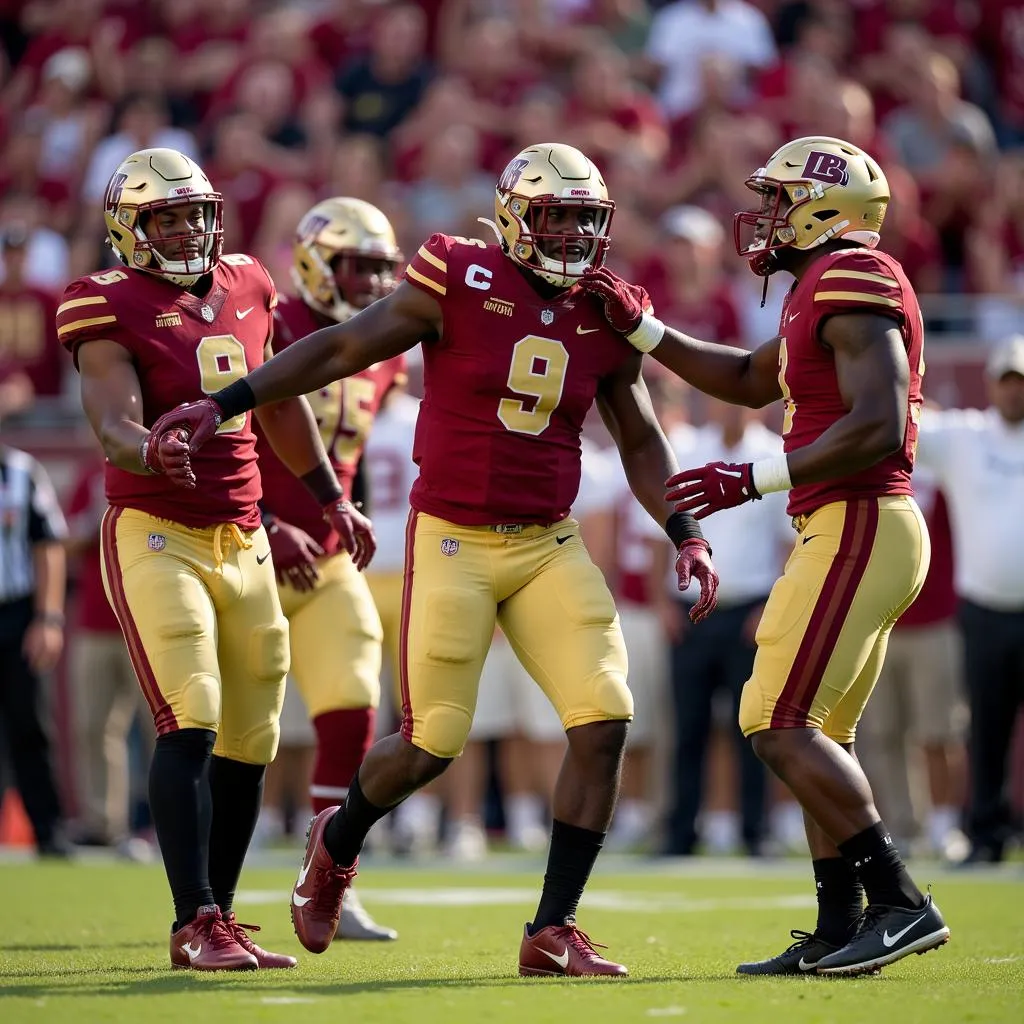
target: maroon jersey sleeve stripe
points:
(403, 640)
(829, 614)
(163, 716)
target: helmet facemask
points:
(558, 258)
(200, 250)
(759, 234)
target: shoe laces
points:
(802, 939)
(870, 916)
(580, 941)
(238, 931)
(215, 930)
(330, 886)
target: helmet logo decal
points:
(826, 167)
(312, 226)
(511, 175)
(114, 190)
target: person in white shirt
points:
(978, 458)
(718, 653)
(684, 33)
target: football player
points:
(847, 363)
(514, 357)
(344, 257)
(188, 572)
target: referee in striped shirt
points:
(31, 635)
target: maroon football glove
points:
(711, 488)
(623, 302)
(295, 554)
(200, 419)
(167, 452)
(694, 561)
(354, 529)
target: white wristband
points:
(648, 333)
(771, 475)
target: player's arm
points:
(112, 399)
(292, 431)
(648, 461)
(874, 381)
(731, 374)
(387, 328)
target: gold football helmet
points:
(345, 256)
(145, 183)
(539, 179)
(812, 190)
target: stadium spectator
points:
(32, 364)
(684, 32)
(978, 459)
(383, 87)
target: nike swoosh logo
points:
(812, 536)
(260, 559)
(562, 540)
(890, 940)
(301, 901)
(243, 313)
(192, 953)
(731, 472)
(792, 317)
(805, 966)
(562, 961)
(586, 330)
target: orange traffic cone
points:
(15, 828)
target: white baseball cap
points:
(1007, 358)
(693, 223)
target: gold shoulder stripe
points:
(861, 275)
(879, 300)
(416, 276)
(424, 253)
(78, 324)
(89, 300)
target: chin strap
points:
(764, 291)
(492, 226)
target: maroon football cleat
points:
(564, 951)
(265, 959)
(206, 944)
(319, 889)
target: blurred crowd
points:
(416, 107)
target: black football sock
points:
(878, 864)
(570, 860)
(840, 899)
(236, 789)
(346, 831)
(179, 800)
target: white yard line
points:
(479, 896)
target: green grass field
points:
(88, 942)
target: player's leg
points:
(254, 659)
(821, 645)
(336, 660)
(447, 622)
(172, 643)
(561, 623)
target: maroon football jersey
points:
(506, 388)
(344, 411)
(846, 281)
(183, 346)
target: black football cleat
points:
(800, 958)
(885, 935)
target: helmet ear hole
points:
(823, 215)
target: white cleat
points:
(355, 923)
